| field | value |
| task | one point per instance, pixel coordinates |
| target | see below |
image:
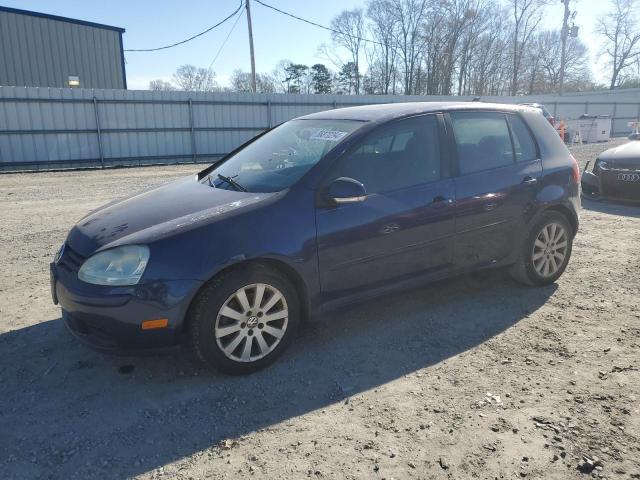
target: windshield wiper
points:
(233, 183)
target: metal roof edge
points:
(60, 19)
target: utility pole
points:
(253, 59)
(564, 35)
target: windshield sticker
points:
(328, 135)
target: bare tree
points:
(348, 32)
(470, 47)
(434, 34)
(460, 16)
(330, 54)
(409, 15)
(192, 78)
(477, 19)
(383, 54)
(527, 15)
(241, 82)
(161, 86)
(622, 38)
(547, 47)
(533, 78)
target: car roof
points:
(387, 111)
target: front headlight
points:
(118, 266)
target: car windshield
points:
(280, 157)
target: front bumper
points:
(621, 185)
(110, 318)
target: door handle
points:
(441, 199)
(529, 180)
(390, 228)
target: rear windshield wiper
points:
(233, 183)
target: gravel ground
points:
(462, 379)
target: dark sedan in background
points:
(615, 174)
(331, 208)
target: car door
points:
(496, 181)
(405, 224)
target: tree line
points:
(445, 47)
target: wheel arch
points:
(280, 266)
(564, 211)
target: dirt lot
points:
(457, 380)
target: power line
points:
(187, 39)
(318, 25)
(225, 41)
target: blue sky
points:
(151, 23)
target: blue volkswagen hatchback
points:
(326, 209)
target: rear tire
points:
(545, 252)
(244, 319)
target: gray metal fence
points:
(42, 128)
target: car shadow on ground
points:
(613, 207)
(66, 410)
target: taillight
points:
(575, 174)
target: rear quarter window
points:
(523, 144)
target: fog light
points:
(153, 324)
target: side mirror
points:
(345, 190)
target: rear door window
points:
(482, 140)
(523, 144)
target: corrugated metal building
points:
(40, 50)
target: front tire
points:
(243, 320)
(545, 252)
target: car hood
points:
(624, 156)
(153, 214)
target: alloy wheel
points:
(549, 249)
(251, 322)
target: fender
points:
(590, 183)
